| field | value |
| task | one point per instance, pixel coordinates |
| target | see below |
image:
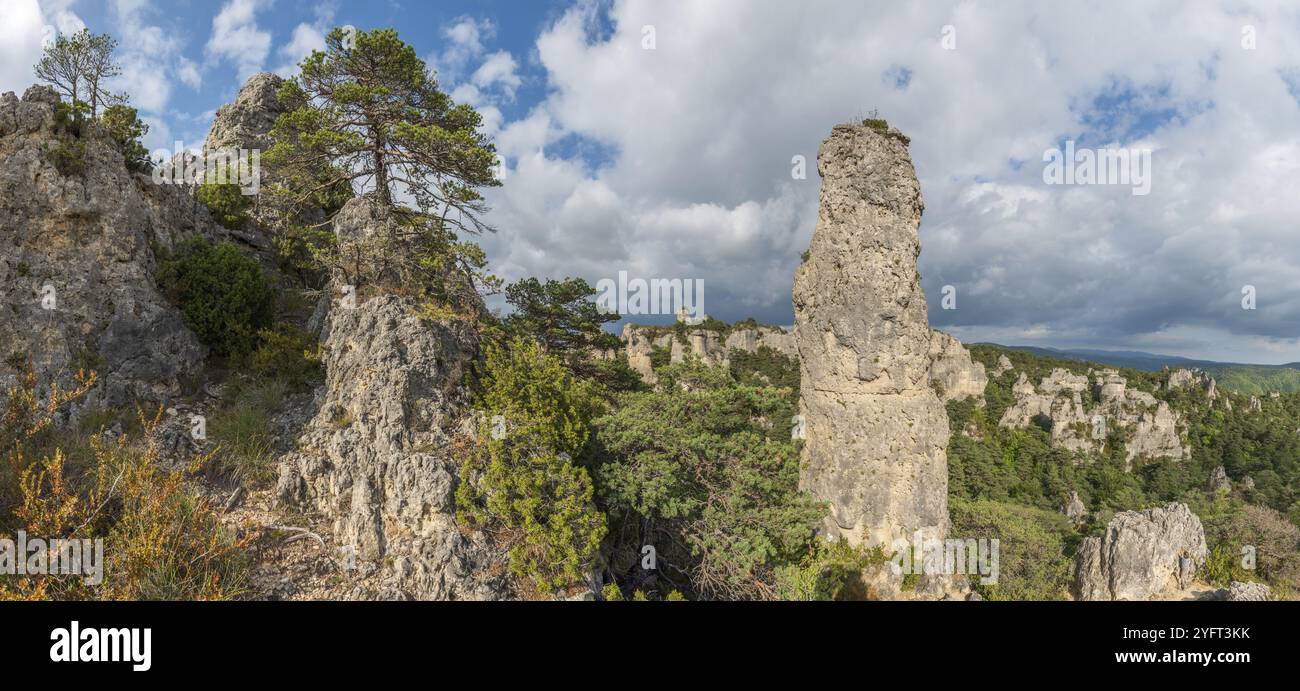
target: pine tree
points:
(367, 110)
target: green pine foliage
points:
(695, 467)
(1034, 547)
(125, 129)
(223, 296)
(527, 486)
(224, 199)
(367, 115)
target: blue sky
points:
(676, 162)
(423, 24)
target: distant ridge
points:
(1236, 376)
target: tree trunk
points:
(381, 173)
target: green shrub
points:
(68, 157)
(524, 486)
(224, 199)
(830, 571)
(288, 353)
(881, 126)
(1269, 536)
(126, 129)
(697, 465)
(70, 118)
(223, 296)
(660, 356)
(611, 593)
(764, 367)
(1032, 560)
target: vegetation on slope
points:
(994, 469)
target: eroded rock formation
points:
(958, 375)
(246, 122)
(1238, 591)
(708, 345)
(77, 258)
(1082, 413)
(1219, 480)
(876, 430)
(377, 459)
(1138, 556)
(1075, 510)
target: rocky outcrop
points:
(77, 260)
(246, 123)
(1192, 379)
(876, 430)
(711, 346)
(376, 461)
(1004, 365)
(640, 344)
(1219, 480)
(1139, 554)
(1081, 414)
(951, 366)
(751, 339)
(1075, 510)
(1244, 592)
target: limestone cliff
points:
(78, 249)
(376, 461)
(1138, 556)
(877, 432)
(952, 368)
(246, 122)
(1082, 414)
(713, 347)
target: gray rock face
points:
(750, 340)
(1138, 556)
(707, 345)
(1192, 379)
(1082, 414)
(77, 262)
(1246, 592)
(246, 123)
(876, 431)
(1075, 510)
(1219, 480)
(639, 344)
(376, 460)
(376, 249)
(951, 365)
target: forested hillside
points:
(1016, 479)
(1242, 378)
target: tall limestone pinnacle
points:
(246, 123)
(876, 429)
